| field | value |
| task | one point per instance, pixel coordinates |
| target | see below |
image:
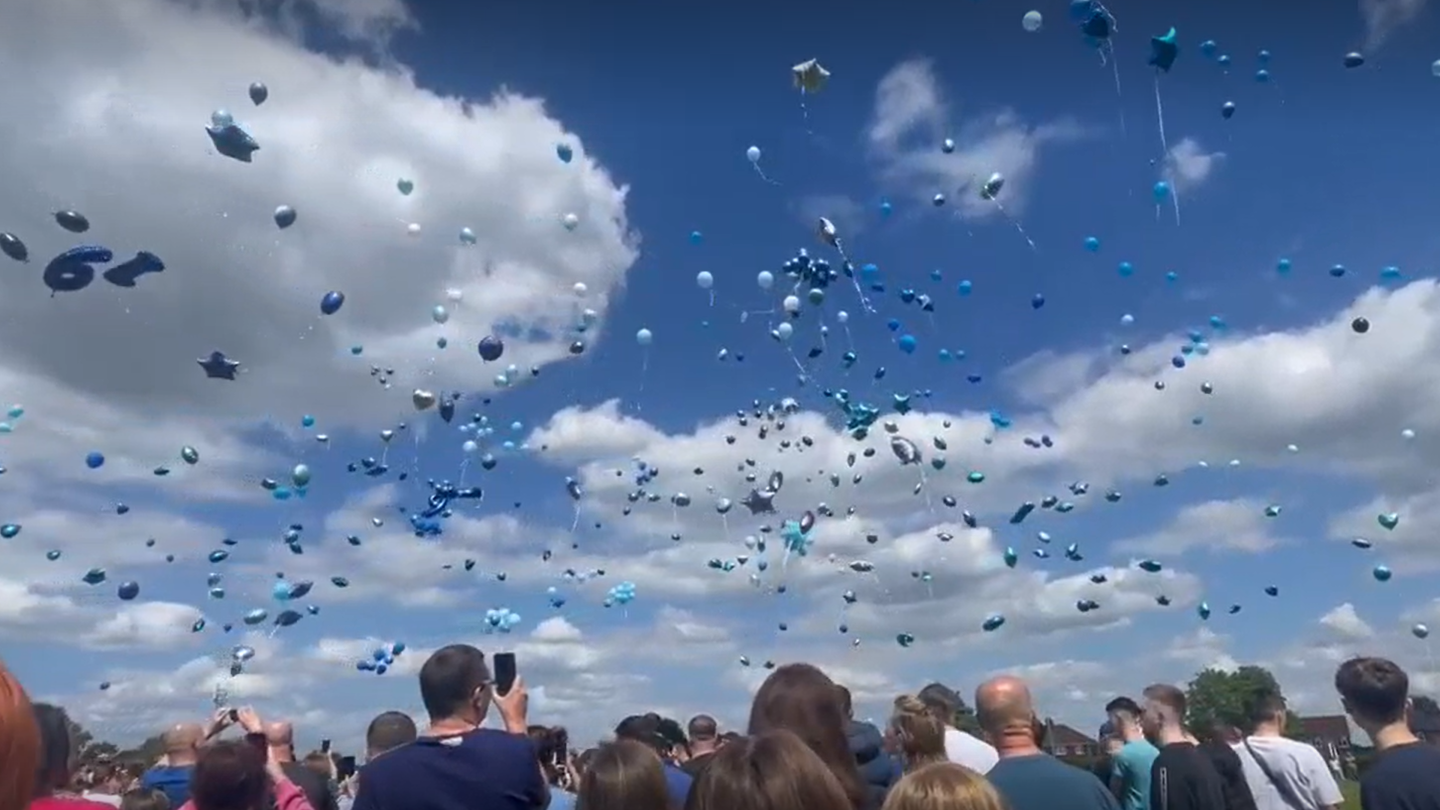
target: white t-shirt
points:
(1294, 763)
(970, 751)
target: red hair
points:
(19, 744)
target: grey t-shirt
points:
(1295, 764)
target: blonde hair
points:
(920, 733)
(943, 786)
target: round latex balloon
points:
(284, 217)
(258, 93)
(644, 337)
(1032, 21)
(705, 280)
(765, 279)
(570, 221)
(413, 229)
(753, 153)
(331, 303)
(1435, 68)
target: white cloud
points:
(1346, 624)
(912, 118)
(1233, 525)
(118, 102)
(1384, 17)
(1188, 165)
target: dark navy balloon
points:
(491, 348)
(284, 217)
(73, 270)
(14, 248)
(331, 303)
(125, 275)
(72, 221)
(258, 93)
(128, 591)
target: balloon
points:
(644, 337)
(765, 279)
(491, 348)
(1227, 110)
(95, 460)
(467, 236)
(1435, 68)
(791, 304)
(331, 303)
(439, 314)
(753, 153)
(258, 93)
(809, 76)
(570, 221)
(74, 269)
(1161, 191)
(580, 289)
(413, 229)
(1163, 50)
(14, 248)
(1032, 21)
(405, 186)
(564, 152)
(72, 221)
(1354, 59)
(284, 217)
(705, 280)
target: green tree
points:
(1216, 696)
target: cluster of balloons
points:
(381, 659)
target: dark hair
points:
(388, 731)
(703, 727)
(1167, 696)
(624, 775)
(144, 799)
(644, 729)
(802, 699)
(1374, 689)
(1124, 706)
(230, 775)
(552, 746)
(771, 771)
(1266, 706)
(942, 701)
(582, 761)
(56, 749)
(449, 679)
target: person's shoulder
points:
(494, 742)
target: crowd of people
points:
(802, 749)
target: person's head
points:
(943, 786)
(552, 747)
(1164, 708)
(20, 745)
(388, 731)
(144, 799)
(644, 729)
(1006, 712)
(730, 737)
(57, 763)
(704, 734)
(1374, 691)
(847, 701)
(280, 739)
(318, 763)
(942, 701)
(1123, 714)
(673, 736)
(801, 699)
(582, 762)
(455, 684)
(916, 732)
(1267, 712)
(182, 743)
(230, 775)
(774, 770)
(623, 775)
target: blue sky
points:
(659, 105)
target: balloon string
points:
(1115, 68)
(763, 176)
(1016, 223)
(854, 277)
(1160, 116)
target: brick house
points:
(1063, 741)
(1329, 733)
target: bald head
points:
(1003, 705)
(181, 742)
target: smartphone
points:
(234, 715)
(346, 769)
(504, 672)
(324, 746)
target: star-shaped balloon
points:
(219, 367)
(760, 502)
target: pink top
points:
(287, 797)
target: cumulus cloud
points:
(1384, 17)
(1188, 165)
(1234, 525)
(911, 118)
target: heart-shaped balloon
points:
(405, 186)
(1389, 520)
(423, 399)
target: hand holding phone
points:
(325, 746)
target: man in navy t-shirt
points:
(648, 729)
(1406, 772)
(457, 765)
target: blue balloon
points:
(907, 344)
(564, 152)
(331, 303)
(74, 269)
(1163, 50)
(95, 460)
(1092, 244)
(1161, 191)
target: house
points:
(1329, 733)
(1063, 741)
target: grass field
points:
(1351, 792)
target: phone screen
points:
(325, 746)
(234, 715)
(346, 768)
(504, 672)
